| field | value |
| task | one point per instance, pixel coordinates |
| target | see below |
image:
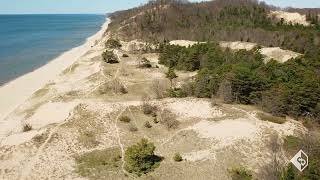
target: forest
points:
(219, 20)
(292, 88)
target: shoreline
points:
(17, 91)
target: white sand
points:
(238, 45)
(51, 113)
(294, 18)
(184, 43)
(193, 108)
(20, 138)
(19, 90)
(278, 54)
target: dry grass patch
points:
(98, 164)
(270, 118)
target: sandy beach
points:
(14, 93)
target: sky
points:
(103, 6)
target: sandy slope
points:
(19, 90)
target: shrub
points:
(177, 157)
(133, 128)
(148, 109)
(110, 57)
(125, 55)
(145, 63)
(26, 128)
(113, 43)
(125, 119)
(155, 120)
(240, 174)
(168, 119)
(140, 158)
(176, 93)
(147, 124)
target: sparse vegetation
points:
(147, 125)
(168, 119)
(271, 118)
(26, 128)
(88, 138)
(110, 57)
(125, 119)
(145, 63)
(133, 128)
(177, 157)
(140, 158)
(241, 174)
(113, 43)
(148, 109)
(98, 163)
(125, 55)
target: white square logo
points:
(300, 160)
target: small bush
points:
(125, 119)
(147, 125)
(26, 128)
(155, 120)
(125, 55)
(148, 109)
(240, 174)
(168, 119)
(177, 157)
(133, 128)
(140, 158)
(145, 63)
(176, 93)
(110, 57)
(113, 43)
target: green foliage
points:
(113, 43)
(140, 158)
(125, 119)
(240, 174)
(291, 88)
(110, 57)
(171, 75)
(98, 163)
(177, 157)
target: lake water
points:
(28, 42)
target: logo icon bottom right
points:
(300, 160)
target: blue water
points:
(29, 41)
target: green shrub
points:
(113, 43)
(125, 119)
(241, 174)
(140, 158)
(110, 57)
(177, 157)
(176, 93)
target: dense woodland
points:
(227, 20)
(292, 88)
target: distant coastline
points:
(17, 91)
(28, 42)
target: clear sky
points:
(103, 6)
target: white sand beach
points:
(14, 93)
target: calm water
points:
(30, 41)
